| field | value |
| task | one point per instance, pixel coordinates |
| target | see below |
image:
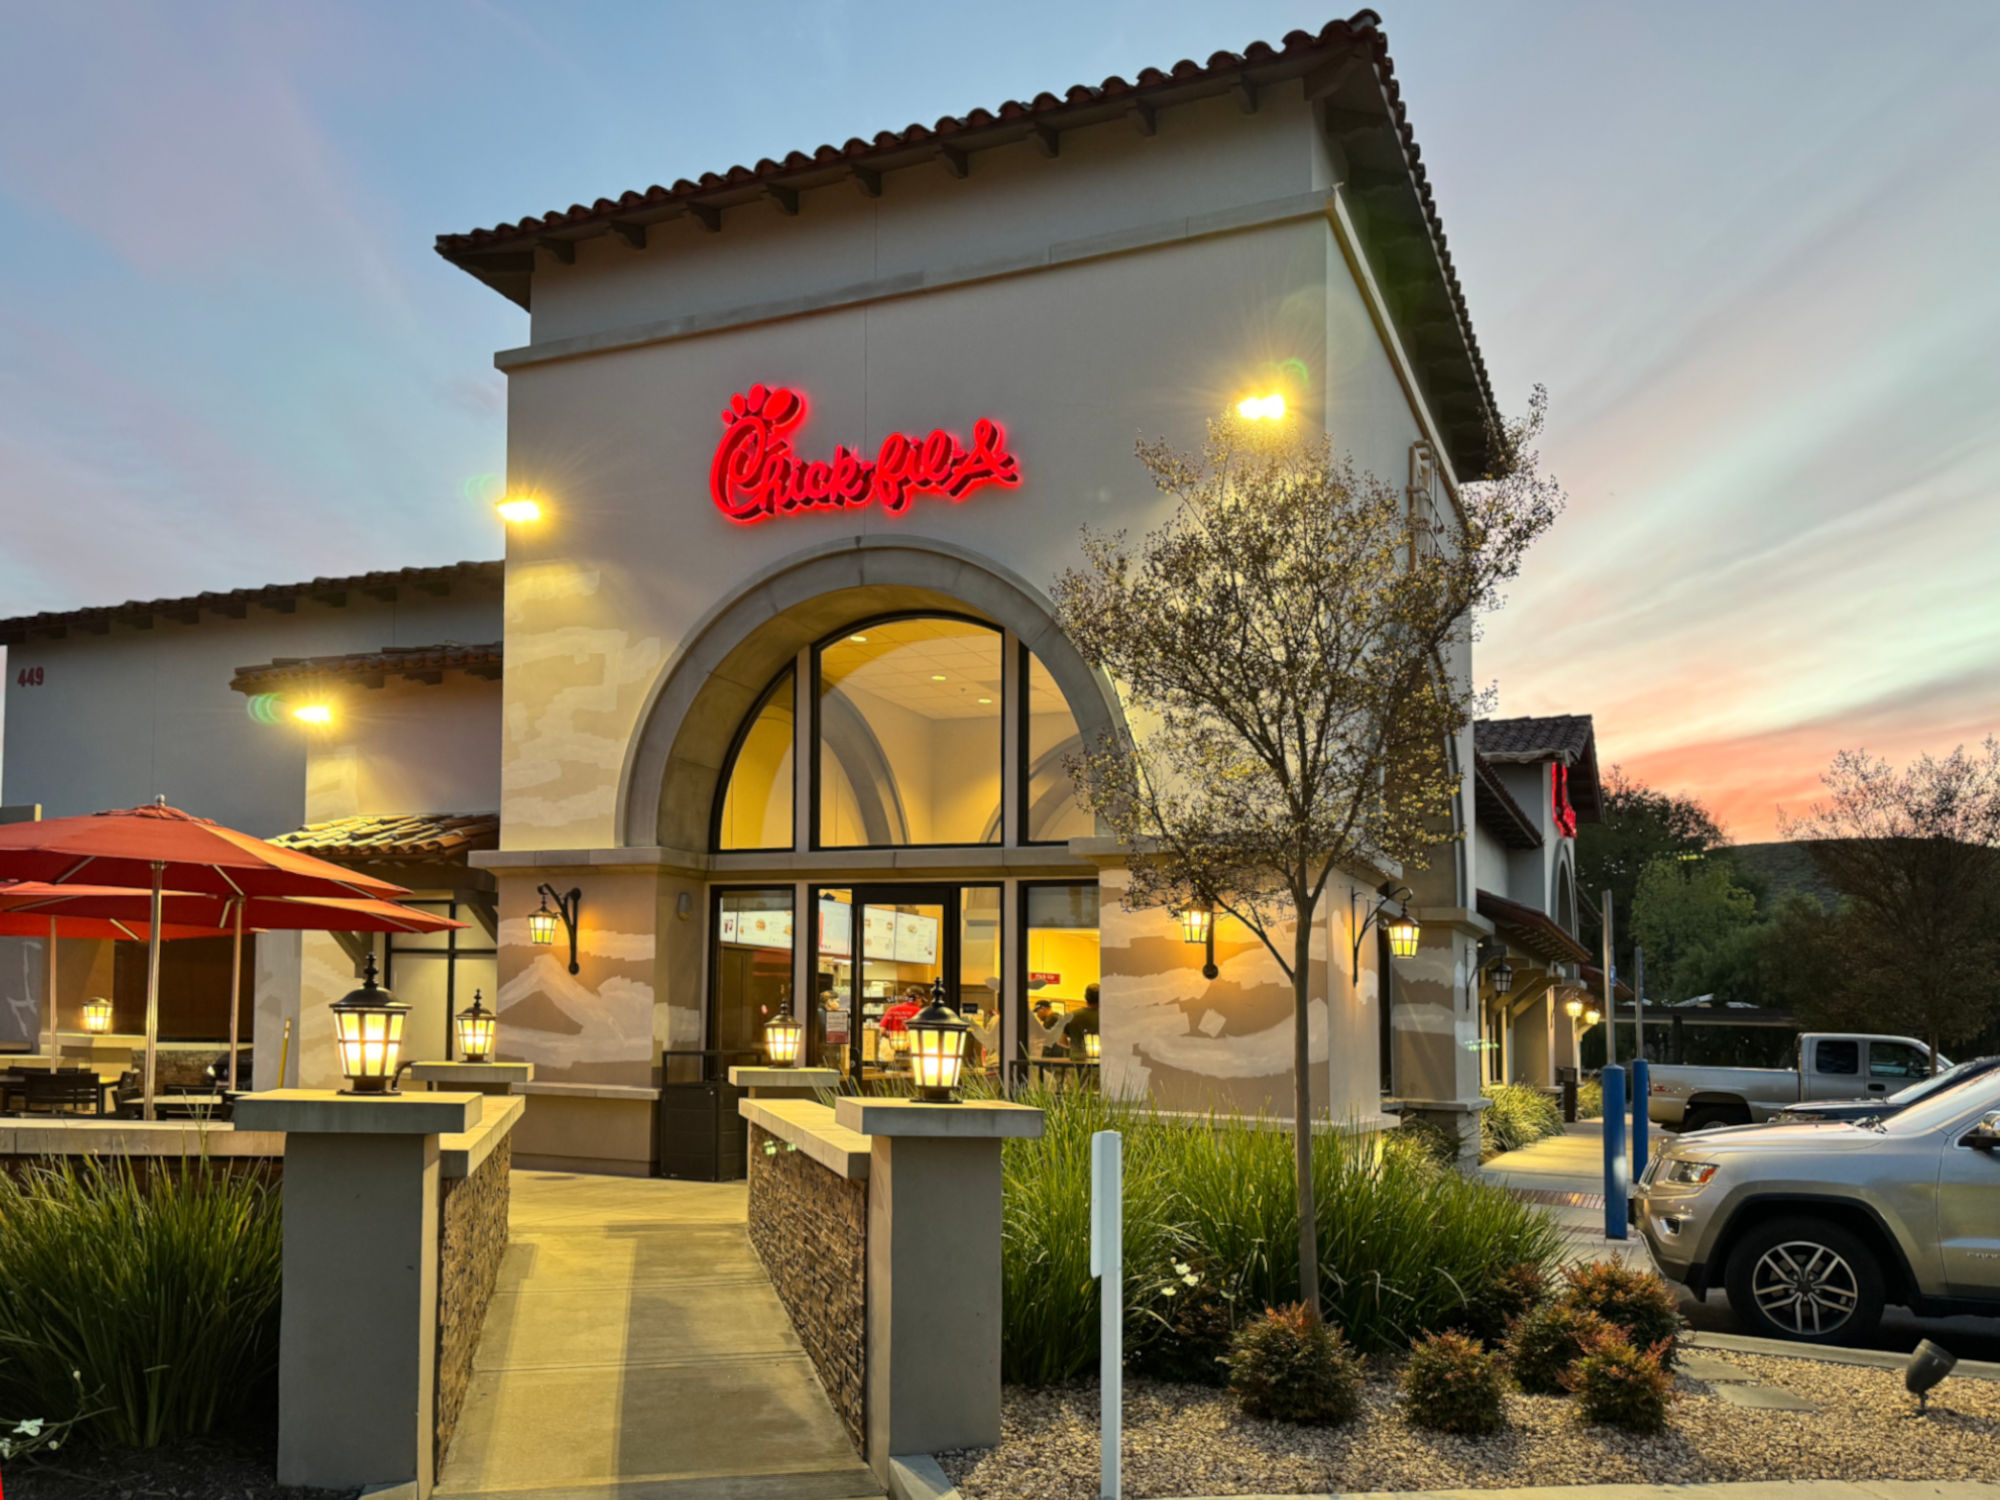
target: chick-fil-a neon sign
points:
(756, 475)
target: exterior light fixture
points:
(1574, 1007)
(783, 1037)
(1592, 1015)
(475, 1032)
(368, 1029)
(1093, 1045)
(1927, 1367)
(1503, 977)
(1404, 930)
(936, 1043)
(1261, 408)
(520, 509)
(1198, 927)
(542, 922)
(314, 713)
(97, 1015)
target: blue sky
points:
(1749, 248)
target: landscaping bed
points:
(1183, 1440)
(196, 1469)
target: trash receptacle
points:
(1566, 1081)
(701, 1136)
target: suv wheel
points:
(1806, 1280)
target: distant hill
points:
(1780, 870)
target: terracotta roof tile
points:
(1531, 931)
(371, 668)
(1570, 738)
(235, 603)
(420, 837)
(503, 256)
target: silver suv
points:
(1813, 1228)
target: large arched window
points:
(910, 720)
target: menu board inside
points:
(898, 936)
(757, 929)
(836, 927)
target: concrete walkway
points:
(1786, 1489)
(636, 1351)
(1565, 1175)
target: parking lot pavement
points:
(1968, 1338)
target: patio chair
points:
(66, 1092)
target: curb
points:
(916, 1476)
(1881, 1359)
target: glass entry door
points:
(878, 951)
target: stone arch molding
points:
(674, 764)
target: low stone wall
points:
(810, 1227)
(472, 1238)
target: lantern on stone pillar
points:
(935, 1046)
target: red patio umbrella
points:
(161, 848)
(188, 914)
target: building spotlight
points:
(519, 509)
(314, 713)
(1928, 1366)
(1261, 408)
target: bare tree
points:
(1915, 856)
(1294, 643)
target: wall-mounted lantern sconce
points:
(1404, 930)
(1592, 1016)
(1574, 1007)
(1502, 975)
(1198, 927)
(475, 1032)
(936, 1043)
(542, 923)
(97, 1015)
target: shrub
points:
(1400, 1240)
(1500, 1300)
(1546, 1342)
(159, 1298)
(1590, 1100)
(1617, 1384)
(1637, 1301)
(1284, 1367)
(1430, 1138)
(1192, 1327)
(1453, 1385)
(1518, 1116)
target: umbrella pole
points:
(153, 989)
(235, 994)
(49, 974)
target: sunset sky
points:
(1750, 249)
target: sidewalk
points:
(1565, 1175)
(1789, 1489)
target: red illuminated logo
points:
(756, 474)
(1565, 815)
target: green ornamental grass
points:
(148, 1308)
(1404, 1245)
(1517, 1116)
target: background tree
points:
(1699, 927)
(1915, 856)
(1293, 643)
(1639, 825)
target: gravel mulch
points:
(1190, 1440)
(181, 1471)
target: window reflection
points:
(909, 735)
(1064, 965)
(1048, 805)
(753, 967)
(757, 805)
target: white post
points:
(1107, 1264)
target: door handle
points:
(1876, 1088)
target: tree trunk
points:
(1302, 1139)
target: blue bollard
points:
(1642, 1106)
(1617, 1169)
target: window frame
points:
(711, 1002)
(1015, 1072)
(1024, 755)
(736, 743)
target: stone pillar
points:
(472, 1078)
(933, 1270)
(785, 1083)
(357, 1347)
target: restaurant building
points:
(774, 715)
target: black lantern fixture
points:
(783, 1038)
(1198, 928)
(475, 1032)
(97, 1015)
(1404, 930)
(542, 922)
(936, 1048)
(1573, 1006)
(368, 1029)
(1502, 975)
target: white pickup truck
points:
(1831, 1065)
